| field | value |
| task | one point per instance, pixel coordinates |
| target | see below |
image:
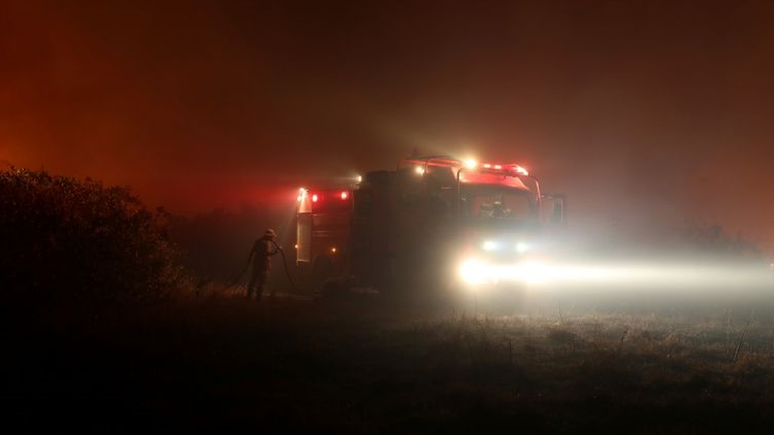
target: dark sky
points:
(647, 113)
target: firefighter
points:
(263, 249)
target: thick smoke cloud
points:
(646, 113)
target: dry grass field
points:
(222, 363)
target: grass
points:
(221, 363)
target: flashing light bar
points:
(518, 169)
(470, 164)
(521, 170)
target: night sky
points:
(647, 114)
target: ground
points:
(368, 366)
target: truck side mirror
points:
(557, 215)
(558, 204)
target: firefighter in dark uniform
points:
(263, 249)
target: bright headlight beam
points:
(532, 273)
(490, 245)
(618, 275)
(473, 271)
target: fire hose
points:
(284, 264)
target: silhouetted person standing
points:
(261, 254)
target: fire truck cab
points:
(431, 220)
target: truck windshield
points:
(491, 204)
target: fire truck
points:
(434, 221)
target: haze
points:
(647, 114)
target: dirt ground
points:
(368, 366)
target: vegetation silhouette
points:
(75, 242)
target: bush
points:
(67, 241)
(715, 240)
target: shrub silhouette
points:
(714, 239)
(67, 241)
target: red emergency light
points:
(441, 161)
(518, 169)
(521, 170)
(319, 197)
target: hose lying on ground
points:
(233, 282)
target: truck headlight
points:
(490, 245)
(473, 271)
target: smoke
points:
(645, 119)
